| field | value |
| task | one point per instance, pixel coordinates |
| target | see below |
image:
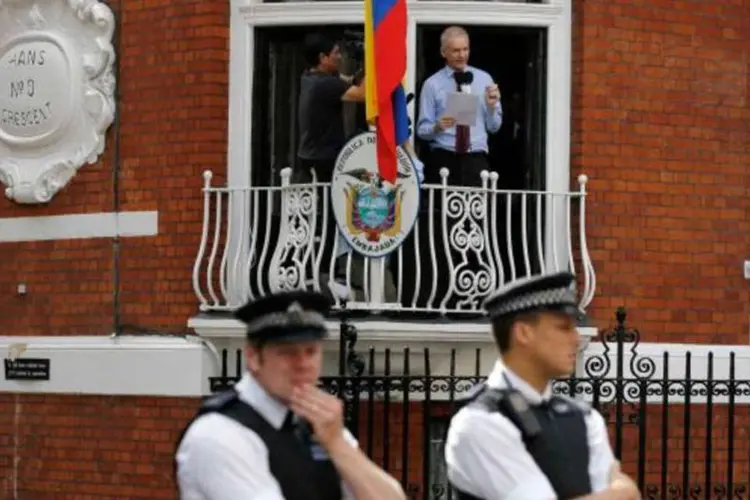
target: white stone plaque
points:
(56, 92)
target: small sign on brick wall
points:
(27, 369)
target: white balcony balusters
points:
(467, 241)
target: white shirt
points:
(220, 459)
(486, 456)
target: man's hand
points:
(363, 478)
(615, 492)
(624, 489)
(491, 95)
(621, 487)
(444, 123)
(323, 411)
(621, 484)
(623, 494)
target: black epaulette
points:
(218, 401)
(513, 405)
(474, 393)
(214, 402)
(490, 399)
(210, 404)
(563, 403)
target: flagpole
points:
(377, 272)
(380, 70)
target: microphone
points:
(468, 78)
(463, 80)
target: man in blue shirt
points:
(460, 148)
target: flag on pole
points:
(385, 70)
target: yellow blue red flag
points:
(385, 69)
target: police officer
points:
(275, 435)
(514, 440)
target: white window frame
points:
(555, 15)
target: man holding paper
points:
(458, 106)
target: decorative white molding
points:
(56, 92)
(109, 365)
(175, 366)
(440, 338)
(79, 226)
(460, 348)
(646, 362)
(636, 362)
(484, 13)
(374, 331)
(302, 13)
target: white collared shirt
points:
(220, 459)
(486, 456)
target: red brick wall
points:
(173, 59)
(173, 110)
(727, 428)
(79, 447)
(662, 127)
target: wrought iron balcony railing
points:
(467, 241)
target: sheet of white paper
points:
(463, 108)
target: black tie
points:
(296, 427)
(290, 423)
(463, 132)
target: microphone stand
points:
(463, 81)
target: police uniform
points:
(245, 444)
(508, 441)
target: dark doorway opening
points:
(278, 65)
(516, 59)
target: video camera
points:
(354, 44)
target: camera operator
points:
(322, 93)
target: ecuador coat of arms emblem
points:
(374, 216)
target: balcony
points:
(467, 242)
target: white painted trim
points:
(557, 134)
(452, 346)
(175, 366)
(421, 12)
(466, 338)
(79, 226)
(241, 64)
(376, 331)
(649, 362)
(109, 365)
(486, 14)
(699, 354)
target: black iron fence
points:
(685, 436)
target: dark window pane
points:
(278, 65)
(516, 60)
